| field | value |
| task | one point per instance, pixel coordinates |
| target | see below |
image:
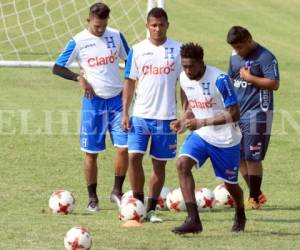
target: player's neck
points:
(201, 73)
(157, 42)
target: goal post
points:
(34, 32)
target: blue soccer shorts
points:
(225, 161)
(163, 140)
(97, 116)
(255, 139)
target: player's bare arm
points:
(231, 114)
(87, 88)
(178, 126)
(259, 82)
(66, 73)
(128, 91)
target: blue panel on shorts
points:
(163, 140)
(99, 115)
(225, 161)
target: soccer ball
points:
(127, 195)
(204, 198)
(61, 202)
(132, 209)
(162, 199)
(175, 201)
(78, 238)
(222, 197)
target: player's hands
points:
(87, 88)
(125, 122)
(193, 124)
(177, 126)
(245, 73)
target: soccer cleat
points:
(239, 223)
(252, 204)
(93, 205)
(116, 197)
(188, 226)
(152, 217)
(262, 199)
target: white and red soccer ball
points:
(204, 198)
(162, 199)
(127, 195)
(78, 238)
(61, 202)
(175, 201)
(223, 197)
(132, 209)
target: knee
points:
(122, 151)
(135, 160)
(91, 157)
(233, 188)
(182, 167)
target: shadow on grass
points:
(274, 208)
(274, 233)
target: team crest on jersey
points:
(110, 42)
(205, 88)
(169, 53)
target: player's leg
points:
(244, 171)
(255, 170)
(256, 147)
(163, 148)
(92, 143)
(240, 218)
(91, 173)
(192, 153)
(138, 138)
(119, 140)
(156, 183)
(225, 162)
(136, 175)
(243, 166)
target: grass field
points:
(39, 115)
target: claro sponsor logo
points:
(98, 60)
(241, 83)
(154, 70)
(208, 103)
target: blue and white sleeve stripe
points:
(124, 43)
(227, 91)
(66, 57)
(128, 64)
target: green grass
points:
(38, 157)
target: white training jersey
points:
(98, 58)
(157, 69)
(208, 97)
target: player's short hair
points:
(238, 34)
(100, 10)
(157, 13)
(192, 50)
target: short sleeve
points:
(124, 49)
(68, 55)
(131, 70)
(227, 91)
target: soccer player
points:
(254, 71)
(155, 64)
(212, 115)
(98, 49)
